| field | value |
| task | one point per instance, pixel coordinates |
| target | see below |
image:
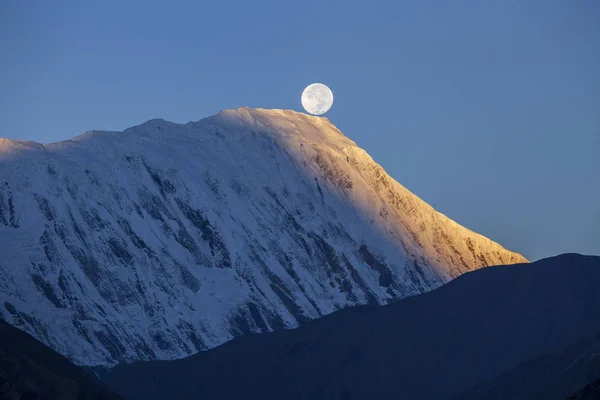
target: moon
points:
(317, 99)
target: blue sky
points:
(488, 110)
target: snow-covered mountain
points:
(166, 239)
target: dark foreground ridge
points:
(550, 377)
(32, 370)
(590, 392)
(431, 346)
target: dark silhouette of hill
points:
(31, 370)
(430, 346)
(549, 377)
(589, 392)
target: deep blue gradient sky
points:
(488, 110)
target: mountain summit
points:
(166, 239)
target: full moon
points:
(317, 99)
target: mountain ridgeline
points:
(167, 239)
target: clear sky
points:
(487, 110)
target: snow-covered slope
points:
(165, 239)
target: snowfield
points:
(166, 239)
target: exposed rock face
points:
(167, 239)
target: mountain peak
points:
(14, 149)
(287, 123)
(166, 239)
(272, 112)
(259, 118)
